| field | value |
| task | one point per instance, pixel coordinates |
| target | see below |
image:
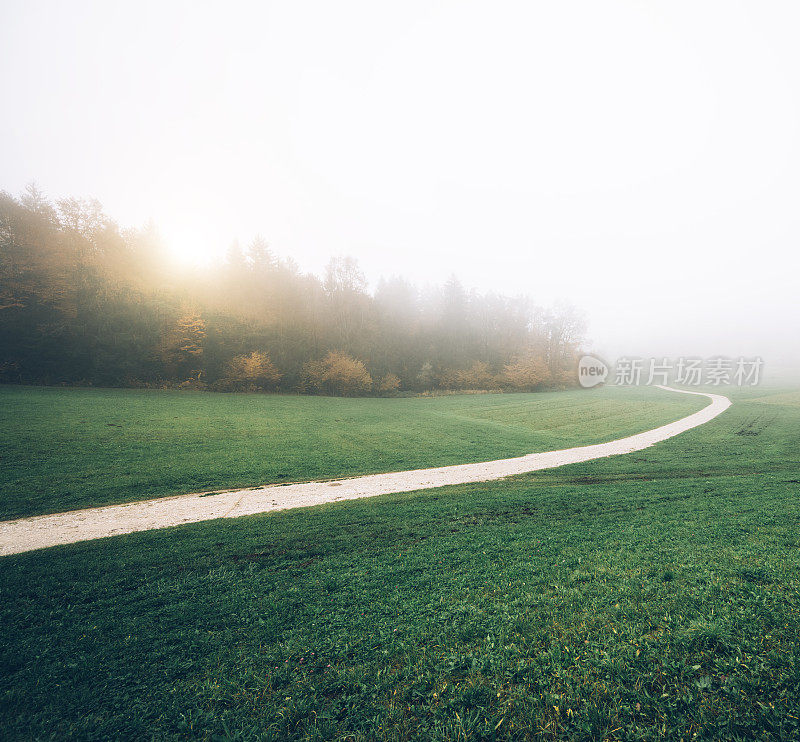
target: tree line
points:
(83, 301)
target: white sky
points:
(638, 159)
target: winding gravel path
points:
(26, 534)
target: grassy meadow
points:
(62, 449)
(648, 596)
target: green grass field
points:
(648, 596)
(62, 449)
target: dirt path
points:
(26, 534)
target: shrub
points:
(525, 374)
(449, 378)
(312, 377)
(477, 376)
(252, 372)
(337, 373)
(194, 382)
(389, 384)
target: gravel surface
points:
(26, 534)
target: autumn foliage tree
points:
(85, 302)
(183, 345)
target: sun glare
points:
(187, 247)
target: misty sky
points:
(640, 160)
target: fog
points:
(637, 160)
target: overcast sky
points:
(640, 160)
